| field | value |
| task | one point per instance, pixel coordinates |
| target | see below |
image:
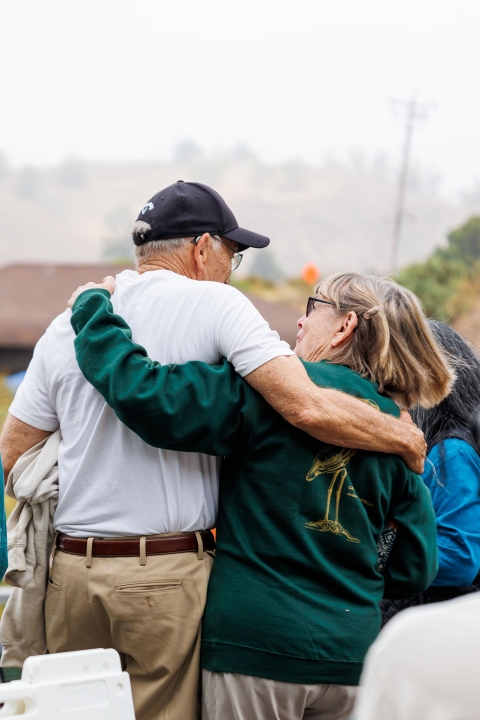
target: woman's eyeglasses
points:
(311, 304)
(236, 257)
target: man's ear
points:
(200, 254)
(345, 333)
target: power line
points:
(413, 111)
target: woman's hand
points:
(108, 283)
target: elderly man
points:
(132, 554)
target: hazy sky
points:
(128, 79)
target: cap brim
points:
(246, 238)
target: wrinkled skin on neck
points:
(206, 260)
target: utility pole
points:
(413, 111)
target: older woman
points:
(293, 603)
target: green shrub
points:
(463, 243)
(436, 282)
(448, 282)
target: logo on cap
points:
(148, 206)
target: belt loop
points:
(200, 545)
(89, 562)
(143, 550)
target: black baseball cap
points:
(185, 209)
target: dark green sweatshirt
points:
(294, 595)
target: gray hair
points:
(153, 248)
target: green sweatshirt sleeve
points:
(192, 407)
(413, 562)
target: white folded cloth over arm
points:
(33, 482)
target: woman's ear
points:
(344, 334)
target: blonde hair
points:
(392, 344)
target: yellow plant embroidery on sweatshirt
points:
(334, 464)
(332, 460)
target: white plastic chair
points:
(75, 685)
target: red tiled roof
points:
(31, 296)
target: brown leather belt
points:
(130, 547)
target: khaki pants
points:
(229, 696)
(150, 614)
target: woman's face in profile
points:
(316, 332)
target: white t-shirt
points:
(111, 483)
(424, 665)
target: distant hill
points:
(336, 217)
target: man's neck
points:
(168, 262)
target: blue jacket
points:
(454, 483)
(3, 534)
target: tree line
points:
(448, 282)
